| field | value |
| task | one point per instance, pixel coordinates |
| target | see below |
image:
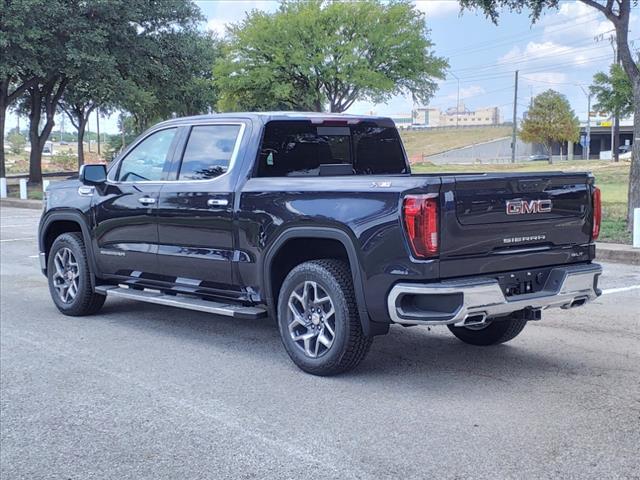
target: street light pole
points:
(514, 138)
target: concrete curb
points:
(618, 253)
(17, 203)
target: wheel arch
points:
(319, 241)
(55, 224)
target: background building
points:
(462, 116)
(428, 117)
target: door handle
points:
(217, 202)
(147, 200)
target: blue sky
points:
(559, 52)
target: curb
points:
(617, 253)
(17, 203)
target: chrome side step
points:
(182, 301)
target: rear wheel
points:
(69, 277)
(318, 318)
(498, 331)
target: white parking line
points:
(17, 225)
(621, 289)
(17, 239)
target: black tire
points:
(498, 331)
(349, 346)
(85, 301)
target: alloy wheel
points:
(66, 275)
(311, 319)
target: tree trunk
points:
(634, 176)
(35, 155)
(81, 129)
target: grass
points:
(34, 192)
(419, 143)
(612, 178)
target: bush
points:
(16, 141)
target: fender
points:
(73, 216)
(369, 328)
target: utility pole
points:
(588, 139)
(98, 128)
(457, 100)
(515, 114)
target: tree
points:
(50, 44)
(614, 94)
(178, 81)
(16, 141)
(618, 13)
(80, 99)
(550, 119)
(313, 55)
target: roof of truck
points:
(269, 116)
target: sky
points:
(561, 51)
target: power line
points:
(508, 39)
(523, 58)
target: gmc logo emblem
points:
(522, 207)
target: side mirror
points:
(93, 174)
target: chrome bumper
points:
(473, 301)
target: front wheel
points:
(69, 277)
(498, 331)
(318, 318)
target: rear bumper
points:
(471, 301)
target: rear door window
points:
(209, 151)
(300, 148)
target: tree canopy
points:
(550, 119)
(613, 91)
(317, 55)
(97, 53)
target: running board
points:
(181, 301)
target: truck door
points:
(195, 212)
(126, 233)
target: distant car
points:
(539, 157)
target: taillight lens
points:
(421, 222)
(597, 213)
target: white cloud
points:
(466, 92)
(217, 26)
(536, 55)
(551, 78)
(438, 8)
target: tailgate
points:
(499, 213)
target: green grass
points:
(34, 192)
(420, 143)
(612, 178)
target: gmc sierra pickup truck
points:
(316, 221)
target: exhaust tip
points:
(475, 319)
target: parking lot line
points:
(17, 239)
(620, 289)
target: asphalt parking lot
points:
(143, 391)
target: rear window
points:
(300, 148)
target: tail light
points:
(421, 222)
(597, 213)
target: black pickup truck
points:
(317, 221)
